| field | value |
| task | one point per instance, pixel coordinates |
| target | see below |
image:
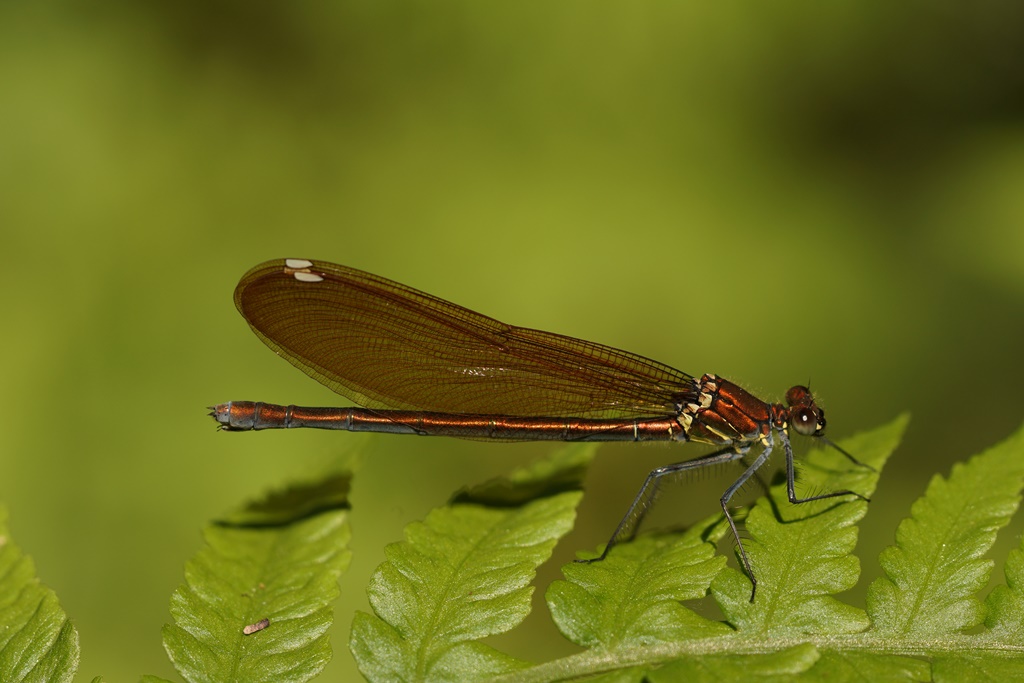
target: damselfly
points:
(418, 364)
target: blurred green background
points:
(771, 193)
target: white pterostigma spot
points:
(297, 263)
(303, 276)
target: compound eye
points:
(805, 421)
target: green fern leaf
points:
(802, 554)
(633, 597)
(936, 568)
(462, 574)
(37, 641)
(262, 565)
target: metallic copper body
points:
(245, 415)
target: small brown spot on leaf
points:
(258, 626)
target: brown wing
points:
(385, 345)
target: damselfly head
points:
(804, 414)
